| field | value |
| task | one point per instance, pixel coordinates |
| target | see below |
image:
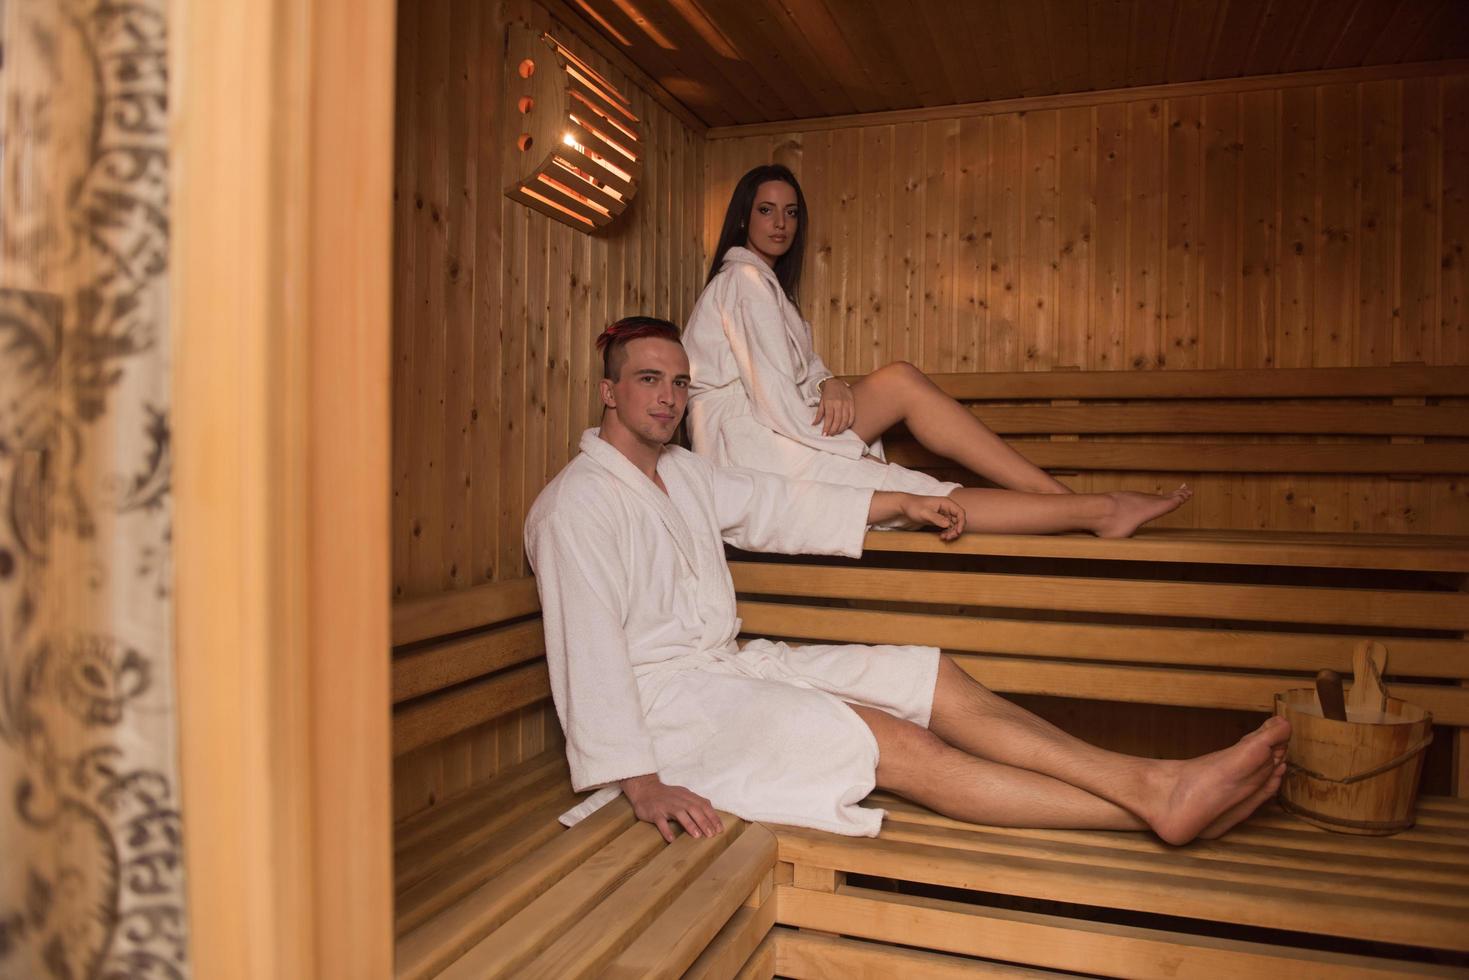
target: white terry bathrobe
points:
(639, 616)
(752, 392)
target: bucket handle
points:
(1376, 770)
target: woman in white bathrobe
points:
(762, 398)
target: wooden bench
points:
(1254, 904)
(1170, 617)
(1295, 421)
(1270, 453)
(1191, 618)
(488, 882)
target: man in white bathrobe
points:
(658, 701)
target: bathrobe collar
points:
(703, 557)
(797, 336)
(739, 255)
(607, 456)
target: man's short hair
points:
(614, 340)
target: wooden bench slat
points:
(910, 823)
(735, 943)
(472, 867)
(467, 826)
(800, 955)
(1353, 382)
(1078, 945)
(1271, 829)
(534, 928)
(1189, 688)
(1410, 657)
(1361, 419)
(1447, 805)
(590, 944)
(1275, 906)
(442, 665)
(1220, 457)
(506, 785)
(671, 944)
(761, 964)
(443, 613)
(1238, 865)
(1382, 608)
(435, 944)
(1436, 553)
(436, 717)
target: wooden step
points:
(1273, 884)
(1380, 608)
(1440, 553)
(1061, 943)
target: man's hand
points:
(838, 408)
(941, 512)
(656, 803)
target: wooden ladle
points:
(1367, 696)
(1328, 692)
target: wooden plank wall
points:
(495, 309)
(1208, 227)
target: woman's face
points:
(773, 220)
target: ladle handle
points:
(1328, 692)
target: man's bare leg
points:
(1034, 502)
(1179, 799)
(918, 765)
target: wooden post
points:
(282, 152)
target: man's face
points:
(649, 397)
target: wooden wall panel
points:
(1309, 225)
(494, 312)
(496, 306)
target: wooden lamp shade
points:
(579, 149)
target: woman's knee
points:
(902, 372)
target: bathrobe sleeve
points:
(755, 327)
(816, 372)
(584, 598)
(765, 512)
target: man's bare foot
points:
(1131, 510)
(1241, 811)
(1196, 795)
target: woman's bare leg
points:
(899, 392)
(1109, 515)
(1034, 502)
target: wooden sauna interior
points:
(1055, 186)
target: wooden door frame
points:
(281, 160)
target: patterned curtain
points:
(91, 882)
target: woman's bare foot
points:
(1131, 510)
(1199, 794)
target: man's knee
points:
(900, 744)
(951, 676)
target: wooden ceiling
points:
(751, 61)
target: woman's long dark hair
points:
(735, 232)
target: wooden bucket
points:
(1358, 776)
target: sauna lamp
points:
(579, 149)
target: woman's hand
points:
(656, 803)
(838, 409)
(941, 512)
